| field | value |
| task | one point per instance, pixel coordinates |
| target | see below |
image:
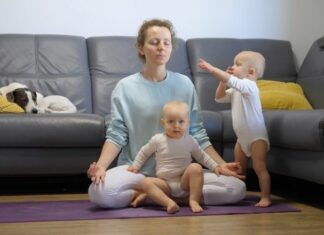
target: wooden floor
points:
(309, 221)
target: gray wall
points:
(298, 21)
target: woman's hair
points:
(141, 36)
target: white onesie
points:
(248, 121)
(172, 157)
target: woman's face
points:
(157, 47)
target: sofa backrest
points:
(311, 74)
(112, 58)
(49, 64)
(220, 52)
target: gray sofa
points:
(296, 137)
(87, 69)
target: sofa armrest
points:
(296, 129)
(313, 90)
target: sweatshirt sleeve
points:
(117, 132)
(196, 128)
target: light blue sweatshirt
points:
(136, 112)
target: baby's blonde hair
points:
(175, 105)
(254, 60)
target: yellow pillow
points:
(282, 95)
(9, 107)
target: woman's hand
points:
(230, 169)
(132, 169)
(96, 173)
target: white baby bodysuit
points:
(248, 121)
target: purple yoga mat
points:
(84, 210)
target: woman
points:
(137, 101)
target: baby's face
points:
(239, 69)
(175, 123)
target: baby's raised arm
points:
(216, 72)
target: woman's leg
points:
(220, 190)
(118, 188)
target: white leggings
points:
(117, 189)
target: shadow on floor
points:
(44, 185)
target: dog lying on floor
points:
(34, 102)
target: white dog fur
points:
(56, 104)
(34, 102)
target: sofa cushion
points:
(51, 130)
(282, 95)
(112, 58)
(221, 52)
(306, 165)
(49, 64)
(312, 65)
(313, 89)
(213, 124)
(291, 129)
(311, 74)
(228, 131)
(296, 129)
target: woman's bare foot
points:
(172, 208)
(138, 199)
(264, 202)
(195, 207)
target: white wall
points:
(299, 21)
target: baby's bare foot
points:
(172, 208)
(195, 207)
(264, 202)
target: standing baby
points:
(248, 120)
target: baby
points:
(176, 175)
(248, 121)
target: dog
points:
(21, 95)
(56, 104)
(34, 102)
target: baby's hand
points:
(229, 169)
(229, 70)
(204, 65)
(132, 169)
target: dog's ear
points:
(10, 97)
(34, 96)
